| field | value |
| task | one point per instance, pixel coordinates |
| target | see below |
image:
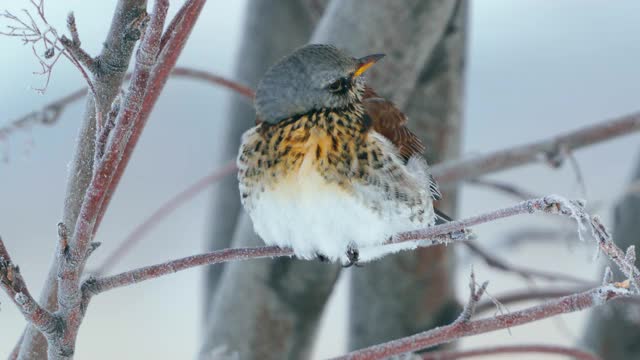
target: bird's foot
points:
(353, 255)
(322, 258)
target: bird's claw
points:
(353, 255)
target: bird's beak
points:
(364, 63)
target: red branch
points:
(14, 285)
(449, 333)
(515, 349)
(171, 46)
(214, 79)
(436, 235)
(96, 286)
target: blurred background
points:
(534, 69)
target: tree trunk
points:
(263, 309)
(410, 292)
(613, 330)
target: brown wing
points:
(389, 121)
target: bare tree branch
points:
(612, 331)
(13, 284)
(75, 251)
(114, 60)
(447, 233)
(452, 172)
(526, 273)
(514, 349)
(50, 113)
(457, 330)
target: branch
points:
(526, 273)
(453, 172)
(95, 286)
(171, 45)
(74, 252)
(73, 45)
(14, 285)
(527, 295)
(50, 113)
(504, 187)
(115, 57)
(515, 349)
(454, 231)
(457, 330)
(214, 80)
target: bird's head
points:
(311, 78)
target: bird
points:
(331, 169)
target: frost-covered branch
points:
(447, 233)
(97, 285)
(460, 329)
(47, 46)
(573, 353)
(14, 285)
(114, 58)
(50, 113)
(552, 150)
(526, 273)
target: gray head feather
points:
(300, 83)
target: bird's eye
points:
(337, 85)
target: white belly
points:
(313, 217)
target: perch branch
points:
(450, 232)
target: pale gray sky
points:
(535, 68)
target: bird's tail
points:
(441, 217)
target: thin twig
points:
(450, 232)
(526, 273)
(50, 113)
(450, 173)
(95, 286)
(514, 349)
(504, 187)
(449, 333)
(14, 285)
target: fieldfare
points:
(330, 169)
